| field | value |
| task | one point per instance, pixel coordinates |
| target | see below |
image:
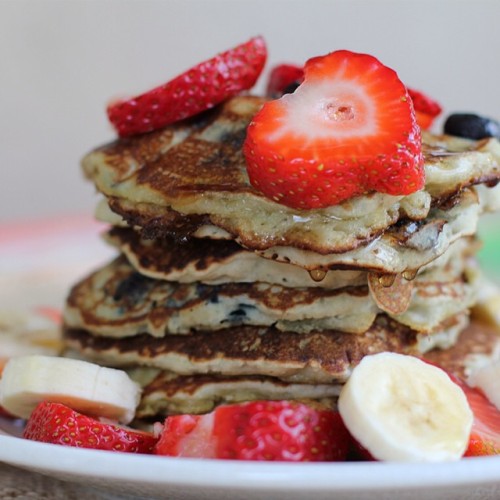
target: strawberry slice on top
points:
(347, 130)
(198, 89)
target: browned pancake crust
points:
(168, 254)
(195, 165)
(312, 357)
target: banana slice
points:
(486, 378)
(24, 332)
(403, 409)
(84, 387)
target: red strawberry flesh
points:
(485, 432)
(57, 424)
(349, 129)
(424, 103)
(260, 430)
(426, 109)
(198, 89)
(281, 77)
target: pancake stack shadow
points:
(219, 295)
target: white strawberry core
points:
(339, 109)
(339, 113)
(200, 441)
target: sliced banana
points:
(84, 387)
(486, 378)
(24, 332)
(403, 409)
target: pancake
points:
(477, 345)
(214, 262)
(193, 173)
(166, 393)
(117, 301)
(169, 170)
(404, 247)
(316, 357)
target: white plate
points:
(37, 265)
(162, 477)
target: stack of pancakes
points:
(222, 295)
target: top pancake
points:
(196, 168)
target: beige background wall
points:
(60, 61)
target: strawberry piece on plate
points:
(5, 414)
(259, 430)
(485, 433)
(198, 89)
(349, 129)
(57, 424)
(282, 78)
(426, 108)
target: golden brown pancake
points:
(477, 345)
(118, 301)
(213, 262)
(316, 357)
(167, 393)
(404, 247)
(193, 173)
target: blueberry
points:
(471, 126)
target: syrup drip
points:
(317, 274)
(410, 274)
(386, 280)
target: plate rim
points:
(229, 474)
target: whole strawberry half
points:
(260, 430)
(198, 89)
(57, 424)
(348, 129)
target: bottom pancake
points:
(165, 393)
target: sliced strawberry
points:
(57, 424)
(260, 430)
(426, 109)
(349, 129)
(187, 436)
(51, 313)
(282, 77)
(5, 414)
(485, 433)
(198, 89)
(424, 120)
